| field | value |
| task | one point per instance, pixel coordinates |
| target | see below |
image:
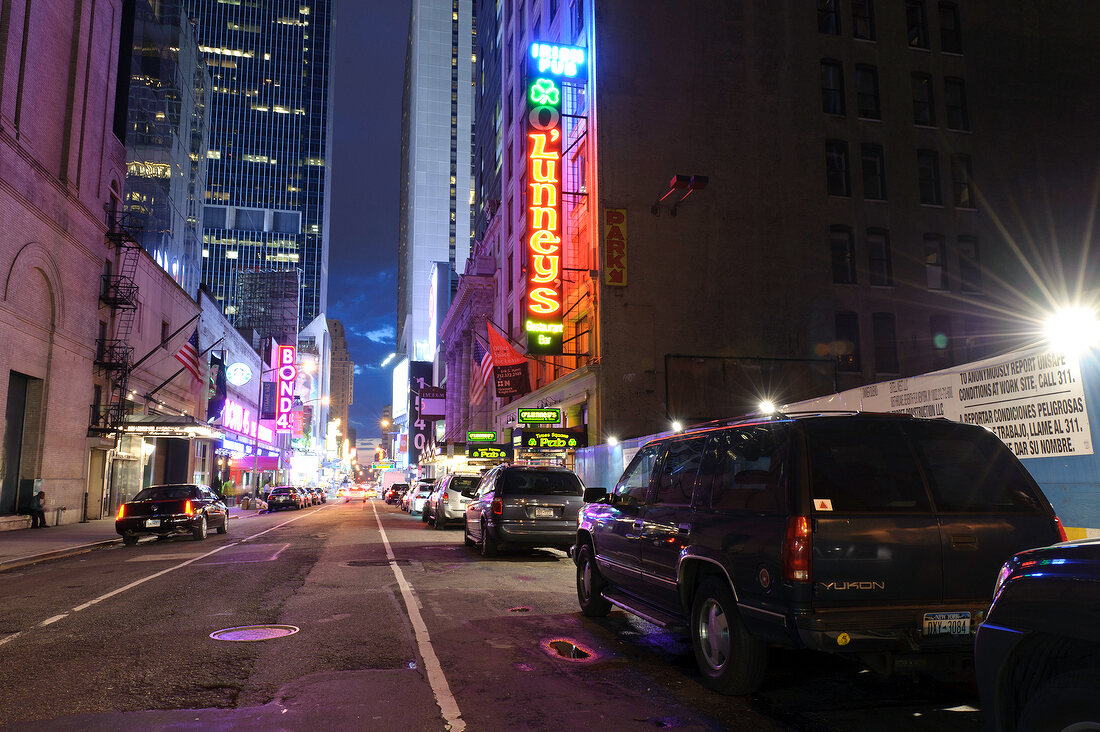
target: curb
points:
(55, 554)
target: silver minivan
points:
(448, 501)
(524, 505)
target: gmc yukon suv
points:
(877, 536)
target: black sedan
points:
(1037, 655)
(286, 496)
(168, 510)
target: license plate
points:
(151, 523)
(947, 624)
(544, 513)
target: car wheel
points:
(1066, 702)
(424, 514)
(489, 545)
(466, 534)
(589, 585)
(730, 658)
(224, 528)
(129, 540)
(439, 522)
(199, 532)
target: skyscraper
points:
(166, 128)
(436, 182)
(266, 205)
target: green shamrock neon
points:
(543, 91)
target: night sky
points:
(369, 62)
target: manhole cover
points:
(253, 632)
(569, 650)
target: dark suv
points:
(1037, 655)
(877, 536)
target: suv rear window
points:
(465, 484)
(167, 493)
(864, 466)
(970, 470)
(532, 483)
(281, 491)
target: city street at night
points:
(119, 638)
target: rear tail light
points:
(121, 511)
(797, 548)
(1061, 529)
(187, 508)
(443, 497)
(497, 506)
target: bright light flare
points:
(767, 407)
(677, 426)
(612, 441)
(1073, 329)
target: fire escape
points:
(119, 292)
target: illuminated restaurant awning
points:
(168, 425)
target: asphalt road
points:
(438, 638)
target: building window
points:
(832, 87)
(950, 28)
(928, 175)
(935, 261)
(961, 175)
(970, 269)
(842, 251)
(916, 22)
(847, 342)
(578, 18)
(874, 172)
(867, 92)
(924, 111)
(886, 343)
(942, 346)
(880, 270)
(828, 17)
(836, 168)
(863, 19)
(954, 97)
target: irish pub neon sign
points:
(547, 66)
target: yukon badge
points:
(860, 585)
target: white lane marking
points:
(442, 690)
(11, 637)
(276, 554)
(51, 621)
(143, 580)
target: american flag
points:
(483, 369)
(188, 355)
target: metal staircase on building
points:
(119, 292)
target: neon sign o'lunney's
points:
(544, 301)
(286, 374)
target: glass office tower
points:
(266, 207)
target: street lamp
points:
(1073, 329)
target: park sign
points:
(539, 416)
(481, 437)
(500, 453)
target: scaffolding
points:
(268, 301)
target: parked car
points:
(419, 496)
(319, 496)
(524, 505)
(166, 510)
(1037, 655)
(873, 536)
(307, 496)
(285, 496)
(406, 497)
(395, 492)
(448, 500)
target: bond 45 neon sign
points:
(285, 375)
(548, 65)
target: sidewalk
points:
(21, 547)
